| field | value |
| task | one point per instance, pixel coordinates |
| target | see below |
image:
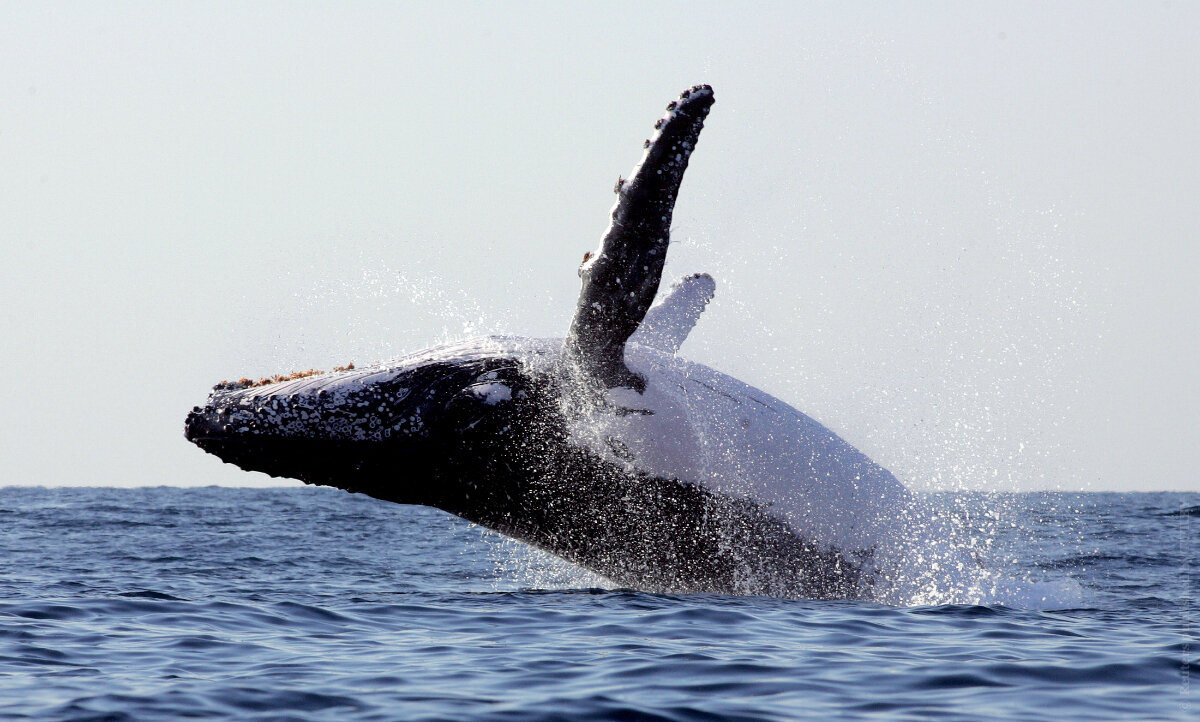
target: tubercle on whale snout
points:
(248, 383)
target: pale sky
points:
(962, 235)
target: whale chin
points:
(269, 456)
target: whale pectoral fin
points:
(668, 322)
(621, 280)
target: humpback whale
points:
(605, 448)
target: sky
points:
(962, 235)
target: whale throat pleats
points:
(621, 279)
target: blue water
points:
(301, 603)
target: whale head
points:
(401, 430)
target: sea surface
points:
(305, 603)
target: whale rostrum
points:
(669, 477)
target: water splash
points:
(519, 566)
(962, 554)
(376, 312)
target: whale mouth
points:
(214, 444)
(251, 454)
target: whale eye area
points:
(495, 394)
(495, 387)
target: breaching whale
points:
(604, 448)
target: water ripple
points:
(269, 604)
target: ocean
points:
(316, 604)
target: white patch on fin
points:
(669, 321)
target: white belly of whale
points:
(711, 430)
